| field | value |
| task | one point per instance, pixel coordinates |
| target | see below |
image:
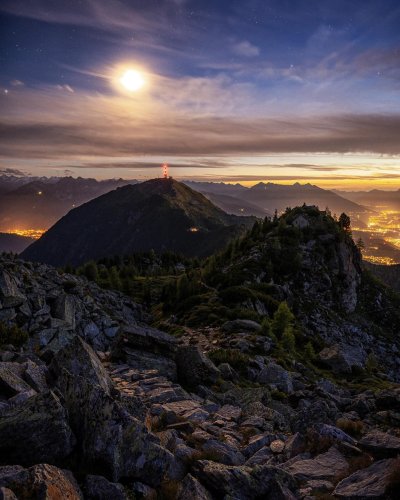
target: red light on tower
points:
(165, 171)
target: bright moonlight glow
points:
(132, 80)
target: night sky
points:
(281, 90)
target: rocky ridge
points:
(97, 404)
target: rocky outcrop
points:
(131, 410)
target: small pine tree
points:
(344, 222)
(309, 351)
(360, 244)
(283, 318)
(288, 338)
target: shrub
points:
(234, 357)
(12, 335)
(352, 427)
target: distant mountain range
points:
(38, 202)
(374, 198)
(160, 214)
(41, 202)
(14, 243)
(265, 198)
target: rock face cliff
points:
(159, 215)
(94, 403)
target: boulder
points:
(342, 359)
(381, 444)
(315, 412)
(6, 494)
(79, 359)
(10, 383)
(63, 307)
(223, 452)
(333, 432)
(191, 489)
(35, 375)
(323, 467)
(36, 431)
(274, 374)
(242, 482)
(374, 482)
(111, 441)
(194, 368)
(144, 338)
(143, 360)
(41, 482)
(10, 296)
(99, 488)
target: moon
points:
(132, 80)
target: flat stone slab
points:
(380, 443)
(372, 482)
(323, 467)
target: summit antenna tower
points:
(165, 170)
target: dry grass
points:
(352, 427)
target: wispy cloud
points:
(246, 49)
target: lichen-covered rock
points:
(36, 431)
(111, 441)
(41, 482)
(79, 359)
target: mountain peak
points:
(159, 214)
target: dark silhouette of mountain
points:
(276, 196)
(264, 198)
(376, 198)
(14, 243)
(160, 214)
(41, 202)
(390, 275)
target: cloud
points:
(16, 83)
(246, 49)
(12, 171)
(182, 135)
(66, 87)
